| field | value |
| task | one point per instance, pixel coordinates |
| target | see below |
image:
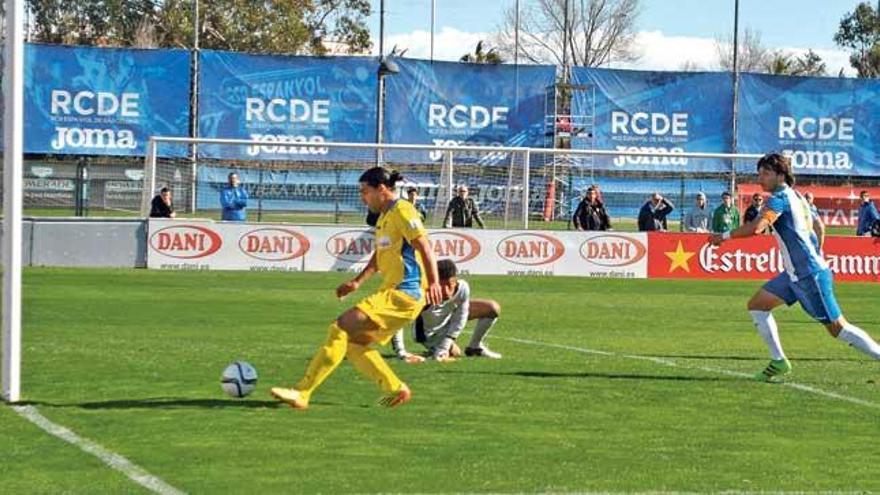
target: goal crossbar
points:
(484, 149)
(512, 183)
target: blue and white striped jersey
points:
(793, 230)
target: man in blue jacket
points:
(234, 200)
(867, 214)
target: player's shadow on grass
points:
(168, 403)
(609, 376)
(750, 358)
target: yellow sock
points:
(325, 361)
(370, 363)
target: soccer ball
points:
(239, 379)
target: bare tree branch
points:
(752, 55)
(598, 32)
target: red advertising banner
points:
(837, 205)
(676, 255)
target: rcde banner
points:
(291, 103)
(829, 126)
(103, 101)
(655, 111)
(453, 104)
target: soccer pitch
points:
(605, 385)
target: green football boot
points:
(776, 368)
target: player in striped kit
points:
(806, 278)
(439, 325)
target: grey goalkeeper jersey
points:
(439, 321)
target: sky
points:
(669, 32)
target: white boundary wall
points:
(208, 245)
(83, 242)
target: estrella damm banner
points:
(680, 255)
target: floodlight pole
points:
(194, 110)
(735, 91)
(516, 35)
(380, 87)
(565, 36)
(433, 16)
(13, 140)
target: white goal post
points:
(13, 140)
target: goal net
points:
(316, 182)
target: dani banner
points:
(291, 103)
(829, 126)
(104, 101)
(201, 245)
(654, 111)
(454, 104)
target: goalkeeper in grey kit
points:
(439, 325)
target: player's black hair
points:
(780, 164)
(412, 190)
(726, 193)
(164, 190)
(446, 269)
(380, 175)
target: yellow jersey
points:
(397, 261)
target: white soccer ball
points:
(239, 379)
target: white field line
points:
(675, 364)
(111, 459)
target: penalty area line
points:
(675, 364)
(113, 460)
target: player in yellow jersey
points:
(406, 263)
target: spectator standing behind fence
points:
(754, 208)
(234, 198)
(412, 195)
(726, 216)
(810, 198)
(590, 213)
(653, 214)
(697, 219)
(462, 211)
(161, 206)
(868, 214)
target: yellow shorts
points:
(390, 310)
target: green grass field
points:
(605, 385)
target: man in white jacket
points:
(697, 218)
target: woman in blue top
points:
(234, 200)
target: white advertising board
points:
(196, 245)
